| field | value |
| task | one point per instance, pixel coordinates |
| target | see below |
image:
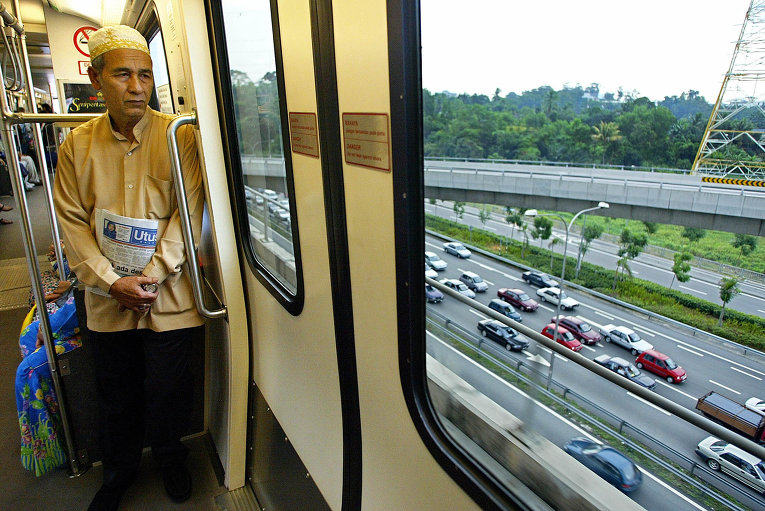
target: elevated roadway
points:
(666, 196)
(670, 197)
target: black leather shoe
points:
(107, 499)
(177, 481)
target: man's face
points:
(126, 83)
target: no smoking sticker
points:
(80, 39)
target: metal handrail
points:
(660, 401)
(183, 210)
(7, 120)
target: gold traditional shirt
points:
(99, 169)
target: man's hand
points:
(130, 295)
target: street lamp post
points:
(532, 213)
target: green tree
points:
(514, 217)
(728, 289)
(630, 246)
(484, 215)
(693, 234)
(542, 229)
(651, 227)
(681, 269)
(459, 210)
(606, 133)
(591, 233)
(553, 241)
(745, 243)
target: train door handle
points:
(183, 210)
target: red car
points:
(518, 298)
(581, 329)
(661, 364)
(565, 337)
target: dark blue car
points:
(607, 462)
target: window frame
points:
(292, 302)
(404, 56)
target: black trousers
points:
(146, 390)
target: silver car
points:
(728, 458)
(551, 294)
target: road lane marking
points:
(546, 307)
(693, 290)
(470, 309)
(745, 373)
(760, 310)
(723, 386)
(690, 350)
(714, 355)
(674, 387)
(649, 404)
(598, 311)
(548, 350)
(588, 347)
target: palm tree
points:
(605, 134)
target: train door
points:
(183, 84)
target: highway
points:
(710, 366)
(703, 283)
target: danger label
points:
(366, 140)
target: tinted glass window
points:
(265, 180)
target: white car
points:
(457, 249)
(435, 262)
(430, 272)
(745, 467)
(552, 294)
(756, 405)
(626, 338)
(459, 287)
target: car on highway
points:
(518, 298)
(581, 329)
(503, 334)
(659, 363)
(613, 466)
(565, 337)
(553, 294)
(459, 287)
(430, 272)
(505, 309)
(433, 295)
(626, 338)
(626, 369)
(720, 455)
(434, 261)
(457, 249)
(538, 279)
(756, 405)
(474, 281)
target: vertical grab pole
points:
(38, 291)
(183, 210)
(43, 162)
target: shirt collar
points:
(137, 129)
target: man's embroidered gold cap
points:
(116, 37)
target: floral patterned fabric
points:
(41, 448)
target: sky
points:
(658, 48)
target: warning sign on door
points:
(366, 140)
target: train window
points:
(162, 96)
(507, 110)
(251, 89)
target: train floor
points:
(19, 488)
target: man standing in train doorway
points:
(119, 217)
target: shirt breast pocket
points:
(159, 197)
